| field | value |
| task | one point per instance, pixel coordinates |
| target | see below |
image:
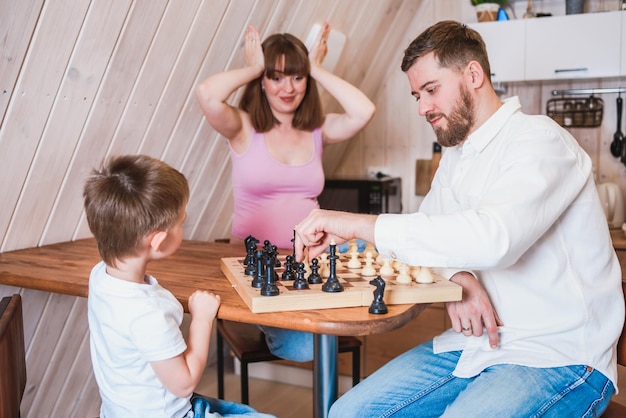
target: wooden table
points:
(65, 267)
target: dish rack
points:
(576, 112)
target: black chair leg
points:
(356, 366)
(244, 383)
(220, 366)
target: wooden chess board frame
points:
(357, 290)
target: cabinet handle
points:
(569, 70)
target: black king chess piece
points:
(300, 282)
(378, 305)
(333, 285)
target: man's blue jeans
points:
(420, 383)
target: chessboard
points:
(357, 290)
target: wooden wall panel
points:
(103, 120)
(29, 111)
(71, 106)
(17, 23)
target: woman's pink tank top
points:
(270, 198)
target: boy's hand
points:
(203, 304)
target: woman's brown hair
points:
(308, 115)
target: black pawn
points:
(314, 277)
(333, 285)
(259, 271)
(300, 282)
(269, 284)
(288, 273)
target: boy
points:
(135, 207)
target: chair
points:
(12, 356)
(247, 342)
(616, 410)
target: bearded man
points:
(513, 216)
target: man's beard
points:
(460, 121)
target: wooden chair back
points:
(12, 356)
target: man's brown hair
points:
(454, 46)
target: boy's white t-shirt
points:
(131, 325)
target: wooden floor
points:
(279, 399)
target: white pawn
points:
(386, 269)
(354, 262)
(379, 260)
(403, 275)
(324, 265)
(415, 271)
(369, 269)
(307, 266)
(425, 276)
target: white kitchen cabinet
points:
(622, 71)
(585, 45)
(505, 45)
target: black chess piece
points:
(275, 255)
(289, 272)
(333, 285)
(300, 282)
(259, 271)
(250, 243)
(314, 277)
(250, 260)
(378, 305)
(269, 284)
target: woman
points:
(276, 136)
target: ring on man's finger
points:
(466, 329)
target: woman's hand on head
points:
(253, 50)
(320, 47)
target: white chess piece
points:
(415, 271)
(354, 262)
(425, 276)
(386, 269)
(307, 266)
(324, 266)
(403, 275)
(379, 260)
(368, 270)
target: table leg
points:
(325, 379)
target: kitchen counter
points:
(619, 239)
(619, 243)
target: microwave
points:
(362, 195)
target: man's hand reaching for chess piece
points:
(320, 227)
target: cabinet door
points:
(575, 46)
(622, 71)
(505, 46)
